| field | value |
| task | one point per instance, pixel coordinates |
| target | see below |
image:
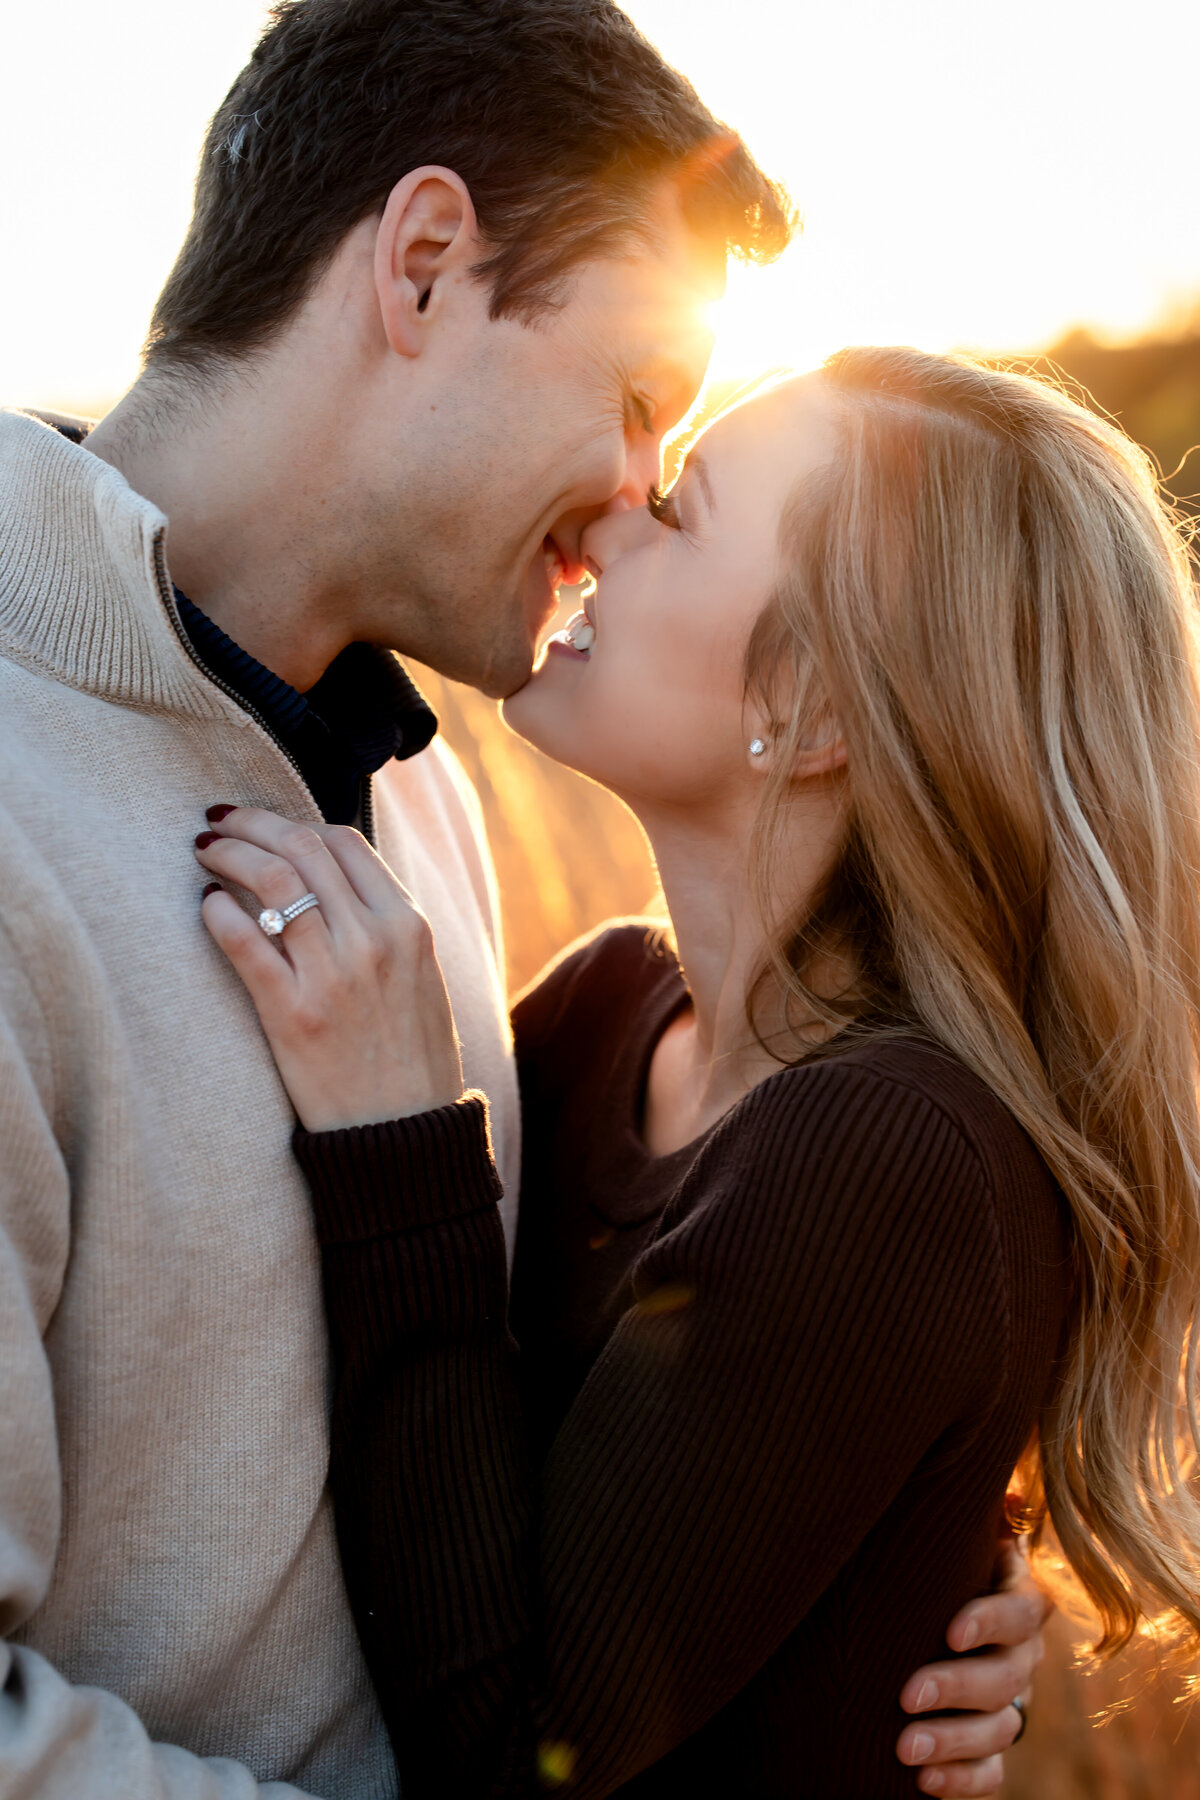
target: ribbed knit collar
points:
(364, 710)
(84, 593)
(85, 597)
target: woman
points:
(892, 1159)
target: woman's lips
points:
(578, 634)
(558, 646)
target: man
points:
(440, 299)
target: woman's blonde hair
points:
(986, 591)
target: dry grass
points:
(1148, 1749)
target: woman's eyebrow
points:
(696, 465)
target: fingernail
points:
(211, 887)
(217, 813)
(206, 838)
(932, 1781)
(927, 1696)
(970, 1636)
(921, 1747)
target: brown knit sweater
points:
(753, 1454)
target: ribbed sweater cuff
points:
(375, 1180)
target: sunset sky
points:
(969, 173)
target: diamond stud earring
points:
(758, 746)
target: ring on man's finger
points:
(1021, 1708)
(273, 921)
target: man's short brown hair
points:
(557, 114)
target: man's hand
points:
(963, 1755)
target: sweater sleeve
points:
(58, 1740)
(524, 1628)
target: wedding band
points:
(272, 921)
(1020, 1706)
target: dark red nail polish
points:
(206, 838)
(211, 887)
(217, 813)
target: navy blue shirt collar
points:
(364, 710)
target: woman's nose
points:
(616, 530)
(643, 467)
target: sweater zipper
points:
(167, 598)
(368, 812)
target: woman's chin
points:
(530, 711)
(513, 712)
(543, 713)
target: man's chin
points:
(501, 682)
(503, 669)
(494, 670)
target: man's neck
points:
(249, 535)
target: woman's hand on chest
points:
(349, 992)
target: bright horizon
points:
(970, 177)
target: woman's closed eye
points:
(643, 411)
(662, 507)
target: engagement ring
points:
(273, 921)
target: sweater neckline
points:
(665, 1003)
(664, 1000)
(364, 710)
(84, 592)
(636, 1185)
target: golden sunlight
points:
(967, 178)
(998, 178)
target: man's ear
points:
(426, 238)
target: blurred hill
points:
(1152, 389)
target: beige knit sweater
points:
(172, 1610)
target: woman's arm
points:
(717, 1470)
(432, 1489)
(495, 1646)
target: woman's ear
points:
(427, 236)
(821, 752)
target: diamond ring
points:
(273, 922)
